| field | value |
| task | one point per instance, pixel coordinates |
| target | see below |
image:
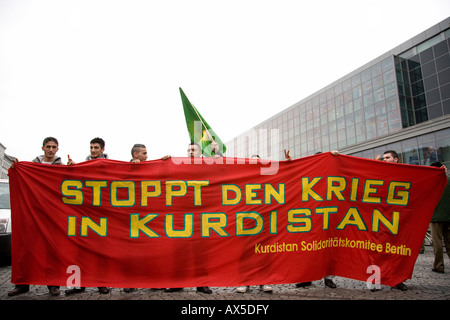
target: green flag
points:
(199, 130)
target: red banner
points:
(199, 222)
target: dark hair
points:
(48, 139)
(393, 153)
(194, 144)
(100, 141)
(436, 164)
(136, 148)
(256, 155)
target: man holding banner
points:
(194, 151)
(341, 214)
(97, 151)
(392, 156)
(50, 146)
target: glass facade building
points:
(399, 101)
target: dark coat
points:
(442, 211)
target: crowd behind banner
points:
(439, 226)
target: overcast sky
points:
(76, 70)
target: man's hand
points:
(14, 161)
(70, 162)
(215, 146)
(287, 155)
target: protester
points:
(392, 156)
(193, 151)
(138, 153)
(215, 148)
(97, 147)
(328, 280)
(264, 287)
(440, 226)
(50, 146)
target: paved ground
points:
(424, 285)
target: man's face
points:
(50, 149)
(389, 158)
(96, 150)
(141, 154)
(193, 151)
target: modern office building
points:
(399, 101)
